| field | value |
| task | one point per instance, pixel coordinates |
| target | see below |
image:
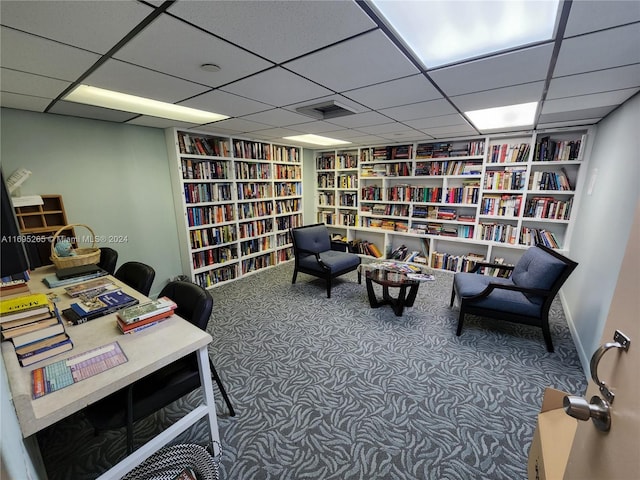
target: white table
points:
(176, 337)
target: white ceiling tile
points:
(588, 16)
(22, 51)
(359, 120)
(364, 60)
(277, 30)
(569, 123)
(276, 133)
(216, 130)
(407, 136)
(277, 87)
(277, 117)
(581, 102)
(317, 127)
(239, 125)
(134, 80)
(432, 108)
(386, 128)
(92, 25)
(452, 130)
(441, 121)
(402, 91)
(147, 121)
(577, 116)
(226, 104)
(89, 111)
(23, 102)
(173, 47)
(26, 83)
(528, 92)
(595, 51)
(524, 66)
(344, 134)
(595, 82)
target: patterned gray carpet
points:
(332, 389)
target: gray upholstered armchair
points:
(313, 255)
(524, 297)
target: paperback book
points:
(146, 310)
(104, 304)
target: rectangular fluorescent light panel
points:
(520, 115)
(100, 97)
(316, 140)
(441, 32)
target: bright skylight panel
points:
(445, 31)
(316, 140)
(100, 97)
(521, 115)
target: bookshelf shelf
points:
(497, 195)
(235, 199)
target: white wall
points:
(112, 177)
(603, 225)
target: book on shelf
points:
(145, 310)
(91, 287)
(44, 349)
(99, 306)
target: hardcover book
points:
(89, 287)
(145, 310)
(64, 345)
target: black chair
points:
(524, 297)
(108, 259)
(166, 385)
(313, 255)
(137, 275)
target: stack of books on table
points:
(90, 306)
(33, 325)
(72, 275)
(14, 288)
(145, 315)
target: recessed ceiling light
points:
(520, 115)
(100, 97)
(316, 140)
(445, 31)
(210, 67)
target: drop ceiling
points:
(276, 57)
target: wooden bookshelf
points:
(235, 200)
(452, 200)
(39, 223)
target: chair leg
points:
(215, 376)
(453, 295)
(328, 287)
(295, 276)
(130, 419)
(460, 322)
(546, 333)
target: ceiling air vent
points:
(325, 110)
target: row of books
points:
(32, 323)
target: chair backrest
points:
(194, 302)
(542, 268)
(108, 259)
(137, 275)
(313, 238)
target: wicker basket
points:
(83, 256)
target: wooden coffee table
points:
(408, 289)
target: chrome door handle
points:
(597, 410)
(620, 341)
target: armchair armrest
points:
(493, 286)
(317, 255)
(500, 266)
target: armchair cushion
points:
(537, 269)
(334, 260)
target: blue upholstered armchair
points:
(313, 255)
(524, 297)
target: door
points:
(615, 455)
